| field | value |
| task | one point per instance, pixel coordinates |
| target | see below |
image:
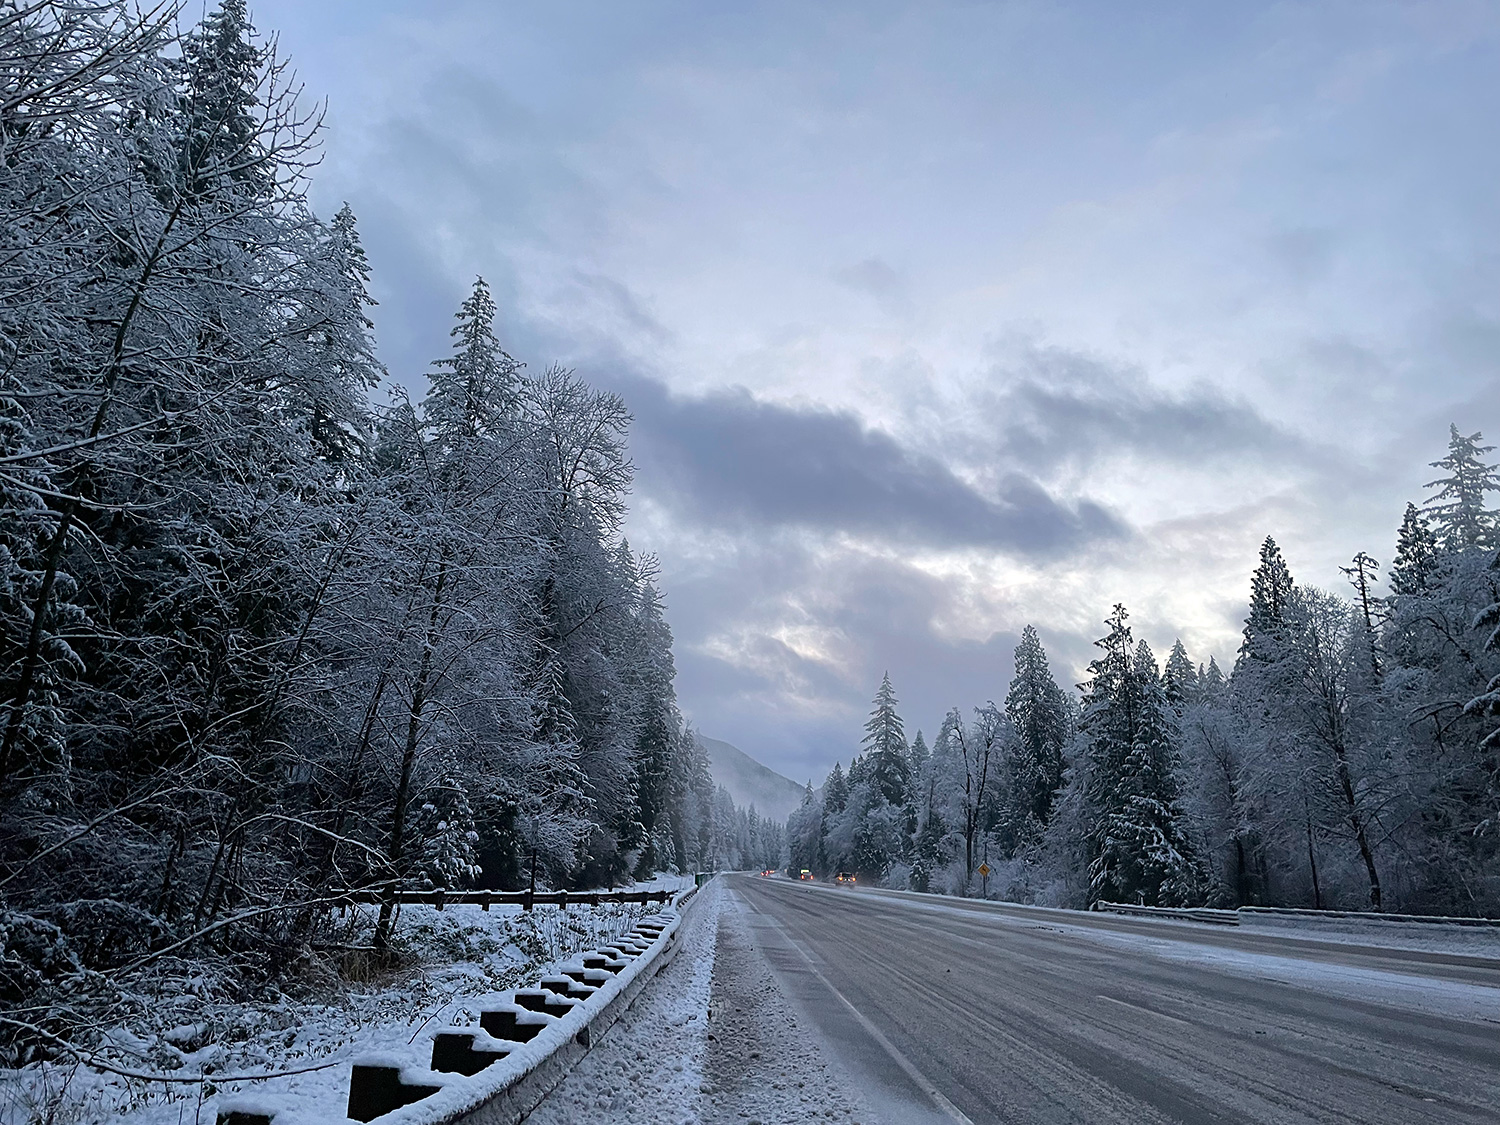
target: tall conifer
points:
(1270, 600)
(1039, 716)
(1137, 848)
(1459, 517)
(1416, 554)
(1180, 677)
(885, 742)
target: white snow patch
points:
(648, 1068)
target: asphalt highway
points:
(949, 1011)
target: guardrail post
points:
(503, 1023)
(484, 902)
(243, 1117)
(527, 898)
(376, 1090)
(440, 897)
(454, 1052)
(562, 900)
(542, 1000)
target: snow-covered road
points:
(1012, 1014)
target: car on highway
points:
(844, 877)
(806, 876)
(767, 873)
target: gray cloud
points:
(1304, 254)
(1062, 408)
(801, 708)
(873, 276)
(729, 459)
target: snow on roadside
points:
(1418, 937)
(190, 1025)
(711, 1040)
(1409, 991)
(1176, 940)
(648, 1068)
(766, 1063)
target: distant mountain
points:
(749, 782)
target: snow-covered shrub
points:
(444, 824)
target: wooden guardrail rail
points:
(440, 897)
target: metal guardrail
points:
(440, 897)
(1186, 913)
(532, 1041)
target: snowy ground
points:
(647, 1069)
(765, 1062)
(1427, 937)
(711, 1040)
(189, 1027)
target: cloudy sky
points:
(938, 319)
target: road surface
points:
(944, 1010)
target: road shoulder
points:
(765, 1064)
(647, 1069)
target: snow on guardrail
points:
(1188, 913)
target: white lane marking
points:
(874, 1032)
(1138, 1008)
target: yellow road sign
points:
(984, 869)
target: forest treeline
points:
(1349, 759)
(263, 635)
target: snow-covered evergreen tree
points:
(1211, 680)
(1138, 849)
(1457, 509)
(1271, 588)
(1041, 725)
(885, 743)
(835, 790)
(1416, 554)
(475, 391)
(1179, 679)
(919, 755)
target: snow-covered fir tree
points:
(1041, 723)
(1416, 554)
(885, 745)
(1271, 589)
(1138, 849)
(1457, 508)
(1179, 680)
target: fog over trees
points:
(1349, 759)
(271, 628)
